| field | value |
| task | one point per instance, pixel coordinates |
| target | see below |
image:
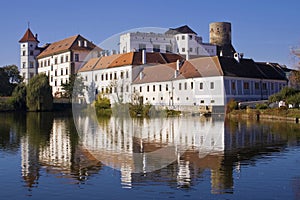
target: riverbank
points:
(278, 114)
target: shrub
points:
(231, 105)
(103, 106)
(261, 106)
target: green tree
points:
(19, 97)
(295, 79)
(73, 87)
(39, 94)
(283, 94)
(13, 74)
(6, 87)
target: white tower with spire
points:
(29, 50)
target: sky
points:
(264, 30)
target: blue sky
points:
(264, 30)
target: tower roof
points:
(28, 37)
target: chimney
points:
(36, 36)
(187, 57)
(176, 72)
(144, 61)
(141, 75)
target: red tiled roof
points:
(70, 43)
(28, 37)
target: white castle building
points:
(182, 40)
(57, 60)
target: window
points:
(201, 86)
(31, 53)
(48, 62)
(212, 85)
(272, 86)
(185, 85)
(110, 76)
(246, 85)
(183, 49)
(212, 101)
(76, 57)
(187, 98)
(31, 64)
(167, 87)
(55, 61)
(127, 88)
(96, 78)
(55, 73)
(264, 86)
(156, 48)
(127, 75)
(177, 38)
(147, 88)
(122, 89)
(102, 77)
(256, 86)
(115, 89)
(192, 85)
(85, 43)
(161, 98)
(233, 85)
(178, 99)
(23, 53)
(115, 75)
(106, 76)
(153, 98)
(160, 88)
(191, 49)
(142, 47)
(61, 72)
(51, 67)
(67, 58)
(140, 88)
(55, 83)
(45, 63)
(168, 48)
(179, 86)
(23, 64)
(67, 71)
(183, 37)
(202, 101)
(122, 74)
(190, 37)
(153, 88)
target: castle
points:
(198, 74)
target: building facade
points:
(182, 40)
(58, 60)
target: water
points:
(45, 156)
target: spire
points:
(28, 37)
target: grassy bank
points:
(269, 114)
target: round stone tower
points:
(220, 33)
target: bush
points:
(103, 106)
(231, 105)
(261, 106)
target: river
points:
(61, 156)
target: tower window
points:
(23, 53)
(31, 53)
(23, 64)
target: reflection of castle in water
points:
(173, 150)
(58, 153)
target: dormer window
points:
(79, 43)
(85, 43)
